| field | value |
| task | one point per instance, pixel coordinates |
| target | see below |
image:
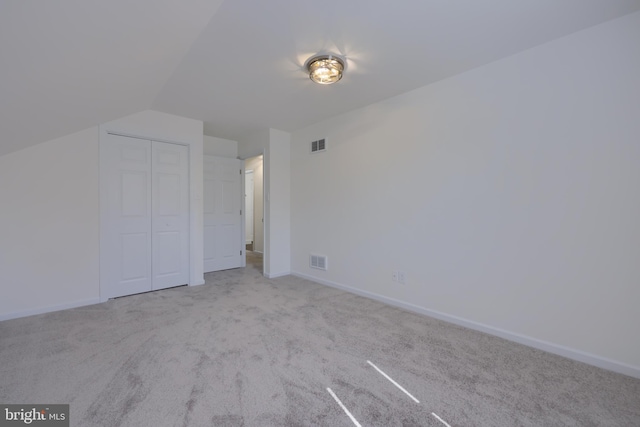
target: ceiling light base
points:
(325, 69)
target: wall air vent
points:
(318, 261)
(319, 145)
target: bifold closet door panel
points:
(170, 215)
(125, 248)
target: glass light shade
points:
(325, 69)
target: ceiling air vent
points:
(318, 261)
(319, 145)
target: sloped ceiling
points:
(71, 64)
(238, 64)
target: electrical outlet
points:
(401, 277)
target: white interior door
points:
(248, 207)
(125, 199)
(144, 216)
(170, 215)
(222, 216)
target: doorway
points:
(248, 208)
(254, 209)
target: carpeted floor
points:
(243, 350)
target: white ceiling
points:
(238, 64)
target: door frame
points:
(104, 132)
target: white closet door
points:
(144, 205)
(125, 198)
(222, 217)
(170, 220)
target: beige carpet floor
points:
(243, 350)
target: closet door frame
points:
(105, 226)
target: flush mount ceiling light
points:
(325, 69)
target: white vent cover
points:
(319, 145)
(318, 261)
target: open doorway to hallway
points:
(254, 209)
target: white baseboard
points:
(570, 353)
(274, 275)
(48, 309)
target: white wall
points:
(255, 164)
(49, 222)
(220, 147)
(279, 202)
(275, 145)
(169, 128)
(508, 194)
